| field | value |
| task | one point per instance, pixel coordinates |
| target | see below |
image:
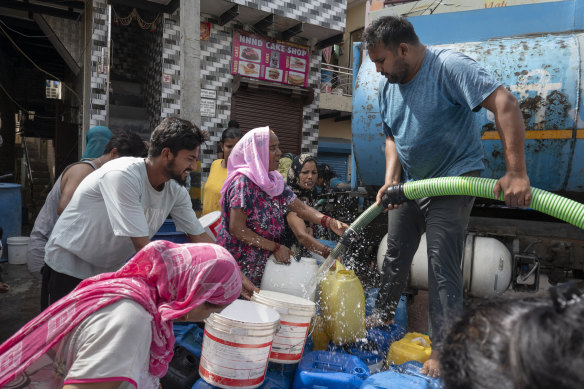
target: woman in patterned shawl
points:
(255, 201)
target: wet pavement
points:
(21, 303)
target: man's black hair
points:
(127, 143)
(391, 31)
(176, 134)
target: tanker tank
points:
(537, 52)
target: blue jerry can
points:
(404, 376)
(323, 369)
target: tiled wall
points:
(310, 115)
(216, 75)
(324, 13)
(170, 102)
(137, 57)
(153, 82)
(99, 40)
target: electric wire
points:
(37, 66)
(24, 35)
(29, 112)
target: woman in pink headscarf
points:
(115, 329)
(254, 202)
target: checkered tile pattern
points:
(98, 107)
(310, 115)
(153, 87)
(216, 75)
(324, 13)
(171, 64)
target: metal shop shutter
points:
(338, 162)
(253, 107)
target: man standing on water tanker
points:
(427, 103)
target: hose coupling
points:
(348, 237)
(394, 195)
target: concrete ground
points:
(21, 303)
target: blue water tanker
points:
(536, 51)
(543, 72)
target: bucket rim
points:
(216, 319)
(270, 314)
(296, 302)
(17, 239)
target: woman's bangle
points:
(325, 221)
(276, 247)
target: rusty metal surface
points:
(544, 73)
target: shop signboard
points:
(269, 59)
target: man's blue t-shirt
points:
(431, 117)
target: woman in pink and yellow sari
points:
(115, 330)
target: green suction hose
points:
(557, 206)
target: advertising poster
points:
(269, 59)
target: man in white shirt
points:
(118, 208)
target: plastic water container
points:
(320, 338)
(366, 351)
(175, 237)
(280, 375)
(17, 249)
(342, 303)
(237, 344)
(323, 369)
(384, 336)
(405, 376)
(273, 380)
(290, 279)
(10, 212)
(295, 315)
(400, 316)
(182, 371)
(412, 347)
(167, 226)
(191, 339)
(211, 223)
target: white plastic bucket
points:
(290, 278)
(237, 344)
(211, 222)
(295, 315)
(17, 249)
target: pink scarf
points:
(251, 157)
(167, 279)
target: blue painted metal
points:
(479, 25)
(543, 72)
(10, 213)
